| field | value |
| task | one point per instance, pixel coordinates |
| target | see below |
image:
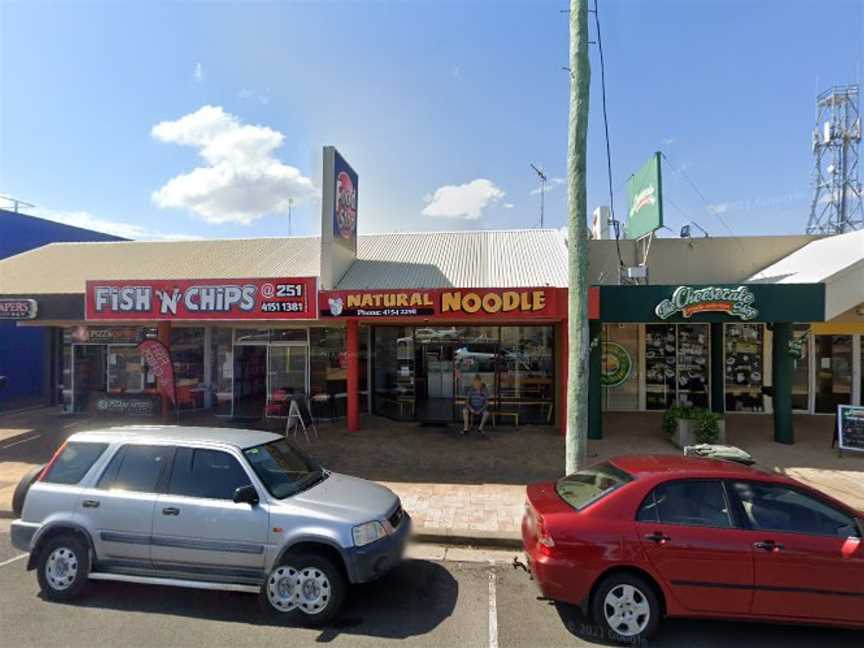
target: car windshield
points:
(284, 469)
(587, 486)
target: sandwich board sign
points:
(850, 427)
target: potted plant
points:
(692, 425)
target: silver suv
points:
(208, 508)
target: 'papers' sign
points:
(18, 309)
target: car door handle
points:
(90, 503)
(171, 510)
(659, 538)
(768, 545)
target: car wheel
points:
(63, 567)
(21, 489)
(626, 607)
(304, 590)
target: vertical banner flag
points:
(645, 192)
(158, 358)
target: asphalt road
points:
(422, 603)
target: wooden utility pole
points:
(577, 240)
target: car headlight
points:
(368, 533)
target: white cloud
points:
(246, 93)
(507, 205)
(87, 220)
(463, 201)
(242, 180)
(198, 73)
(551, 185)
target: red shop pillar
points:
(353, 344)
(163, 334)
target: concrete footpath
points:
(468, 491)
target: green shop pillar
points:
(595, 369)
(782, 383)
(718, 377)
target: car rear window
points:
(591, 484)
(73, 463)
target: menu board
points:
(744, 367)
(660, 353)
(693, 365)
(850, 427)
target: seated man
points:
(476, 403)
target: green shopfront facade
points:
(727, 348)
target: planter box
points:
(685, 433)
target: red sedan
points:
(638, 538)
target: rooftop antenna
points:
(290, 207)
(543, 180)
(837, 196)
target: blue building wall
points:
(25, 353)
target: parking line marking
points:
(11, 560)
(14, 443)
(493, 612)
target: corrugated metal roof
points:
(64, 267)
(481, 259)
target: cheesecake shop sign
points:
(470, 303)
(687, 301)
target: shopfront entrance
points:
(423, 373)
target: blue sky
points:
(194, 119)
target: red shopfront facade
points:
(426, 345)
(239, 344)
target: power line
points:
(615, 224)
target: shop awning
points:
(835, 261)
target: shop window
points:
(677, 365)
(288, 335)
(328, 371)
(222, 370)
(660, 356)
(127, 372)
(394, 364)
(526, 375)
(247, 336)
(745, 367)
(620, 368)
(187, 351)
(833, 372)
(801, 369)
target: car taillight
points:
(54, 459)
(543, 538)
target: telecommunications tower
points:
(837, 197)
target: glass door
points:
(250, 380)
(88, 373)
(833, 372)
(286, 371)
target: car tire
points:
(305, 589)
(22, 488)
(626, 608)
(63, 567)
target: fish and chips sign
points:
(687, 301)
(444, 303)
(202, 299)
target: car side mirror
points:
(246, 495)
(860, 523)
